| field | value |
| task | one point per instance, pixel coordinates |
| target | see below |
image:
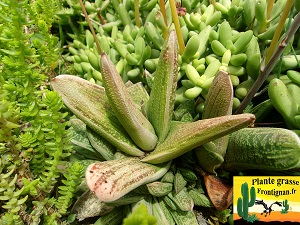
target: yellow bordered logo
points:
(266, 199)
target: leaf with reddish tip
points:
(89, 103)
(132, 119)
(184, 137)
(162, 97)
(110, 180)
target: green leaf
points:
(132, 119)
(184, 137)
(89, 102)
(218, 102)
(140, 216)
(162, 97)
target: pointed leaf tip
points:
(89, 102)
(130, 116)
(162, 97)
(184, 137)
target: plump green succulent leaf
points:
(89, 102)
(219, 97)
(130, 116)
(110, 180)
(184, 137)
(263, 148)
(162, 97)
(218, 102)
(106, 149)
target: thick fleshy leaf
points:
(132, 119)
(89, 102)
(219, 97)
(218, 102)
(106, 149)
(110, 180)
(88, 205)
(184, 137)
(137, 92)
(81, 142)
(162, 97)
(263, 148)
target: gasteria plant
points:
(138, 149)
(138, 127)
(142, 129)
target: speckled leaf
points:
(184, 218)
(263, 149)
(106, 149)
(130, 116)
(88, 205)
(162, 97)
(137, 92)
(183, 201)
(80, 141)
(179, 182)
(89, 102)
(161, 212)
(159, 189)
(200, 199)
(110, 180)
(184, 137)
(114, 217)
(218, 102)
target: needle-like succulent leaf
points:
(218, 102)
(161, 103)
(89, 103)
(184, 137)
(110, 180)
(130, 116)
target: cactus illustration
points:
(243, 203)
(286, 207)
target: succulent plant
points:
(140, 126)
